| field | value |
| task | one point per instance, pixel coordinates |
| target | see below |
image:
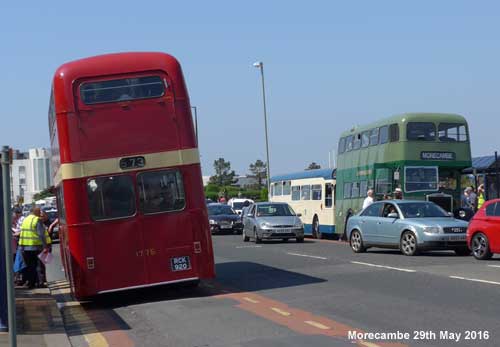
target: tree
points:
(313, 166)
(224, 176)
(259, 172)
(44, 193)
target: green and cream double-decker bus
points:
(423, 154)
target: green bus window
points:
(296, 193)
(286, 187)
(383, 183)
(421, 178)
(316, 191)
(356, 144)
(347, 190)
(355, 190)
(452, 132)
(384, 134)
(421, 131)
(447, 180)
(394, 132)
(365, 139)
(348, 143)
(305, 192)
(278, 188)
(363, 188)
(342, 145)
(374, 137)
(328, 195)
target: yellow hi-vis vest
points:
(29, 234)
(48, 240)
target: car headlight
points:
(265, 225)
(298, 225)
(212, 222)
(432, 230)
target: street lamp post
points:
(260, 65)
(195, 123)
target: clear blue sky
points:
(329, 65)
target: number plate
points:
(225, 226)
(283, 231)
(132, 163)
(180, 263)
(457, 238)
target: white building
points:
(30, 174)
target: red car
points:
(483, 233)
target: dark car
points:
(222, 218)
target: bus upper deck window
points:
(348, 143)
(384, 134)
(365, 139)
(421, 131)
(357, 141)
(374, 137)
(394, 132)
(452, 132)
(342, 145)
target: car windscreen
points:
(274, 210)
(219, 210)
(422, 210)
(238, 205)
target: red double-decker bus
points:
(127, 175)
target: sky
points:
(329, 65)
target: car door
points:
(388, 228)
(249, 221)
(368, 222)
(492, 230)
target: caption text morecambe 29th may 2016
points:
(421, 335)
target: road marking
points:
(317, 325)
(383, 266)
(281, 312)
(306, 255)
(368, 344)
(246, 298)
(249, 246)
(474, 280)
(494, 265)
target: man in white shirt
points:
(369, 198)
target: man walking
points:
(369, 198)
(32, 241)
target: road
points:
(310, 294)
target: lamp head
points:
(257, 64)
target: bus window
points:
(296, 193)
(357, 141)
(348, 143)
(342, 145)
(347, 190)
(447, 180)
(363, 188)
(328, 195)
(421, 131)
(355, 190)
(161, 191)
(111, 197)
(452, 132)
(384, 134)
(383, 184)
(278, 188)
(374, 137)
(365, 139)
(286, 187)
(305, 192)
(421, 178)
(394, 132)
(316, 191)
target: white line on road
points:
(248, 246)
(306, 255)
(494, 265)
(383, 266)
(474, 280)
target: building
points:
(30, 174)
(248, 182)
(486, 170)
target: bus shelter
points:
(485, 170)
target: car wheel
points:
(344, 235)
(300, 239)
(315, 228)
(462, 252)
(408, 244)
(245, 237)
(257, 238)
(481, 247)
(356, 242)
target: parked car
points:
(238, 203)
(410, 226)
(223, 218)
(272, 220)
(483, 234)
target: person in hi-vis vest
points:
(32, 241)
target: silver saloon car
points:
(271, 220)
(410, 226)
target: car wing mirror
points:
(450, 214)
(249, 215)
(299, 214)
(393, 215)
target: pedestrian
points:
(369, 198)
(32, 242)
(17, 218)
(466, 200)
(473, 198)
(398, 194)
(480, 196)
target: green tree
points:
(44, 193)
(224, 176)
(259, 172)
(313, 166)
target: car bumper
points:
(269, 234)
(215, 228)
(444, 241)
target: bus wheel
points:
(315, 228)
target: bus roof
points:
(324, 173)
(408, 117)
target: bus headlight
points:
(432, 230)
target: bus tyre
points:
(408, 243)
(315, 228)
(245, 237)
(356, 242)
(481, 247)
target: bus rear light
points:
(197, 247)
(90, 263)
